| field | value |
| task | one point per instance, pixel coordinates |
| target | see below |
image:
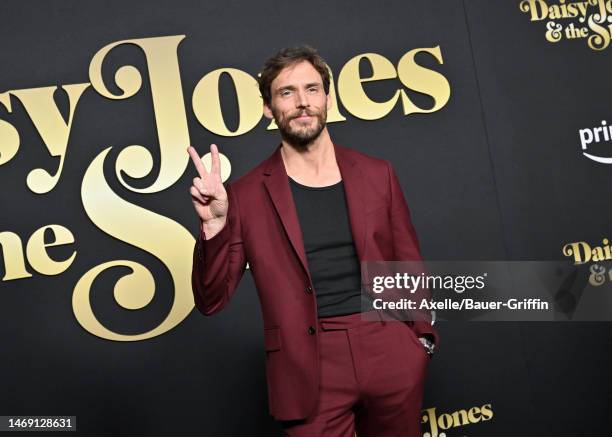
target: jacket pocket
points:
(272, 339)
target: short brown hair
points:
(286, 57)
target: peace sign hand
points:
(208, 193)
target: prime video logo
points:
(596, 135)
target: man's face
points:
(298, 104)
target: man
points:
(304, 219)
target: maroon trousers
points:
(372, 377)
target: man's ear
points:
(329, 101)
(267, 112)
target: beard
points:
(304, 134)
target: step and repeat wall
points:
(495, 116)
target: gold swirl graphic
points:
(158, 235)
(524, 6)
(168, 104)
(601, 38)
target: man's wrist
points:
(212, 228)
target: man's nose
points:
(301, 99)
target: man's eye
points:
(285, 93)
(313, 89)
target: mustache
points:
(303, 112)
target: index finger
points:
(197, 161)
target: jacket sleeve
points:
(218, 263)
(406, 248)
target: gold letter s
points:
(158, 235)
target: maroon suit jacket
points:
(263, 230)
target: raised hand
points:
(208, 193)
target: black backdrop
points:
(497, 173)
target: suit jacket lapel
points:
(277, 184)
(354, 190)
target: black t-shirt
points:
(328, 241)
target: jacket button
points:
(309, 289)
(311, 330)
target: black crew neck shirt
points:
(332, 260)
